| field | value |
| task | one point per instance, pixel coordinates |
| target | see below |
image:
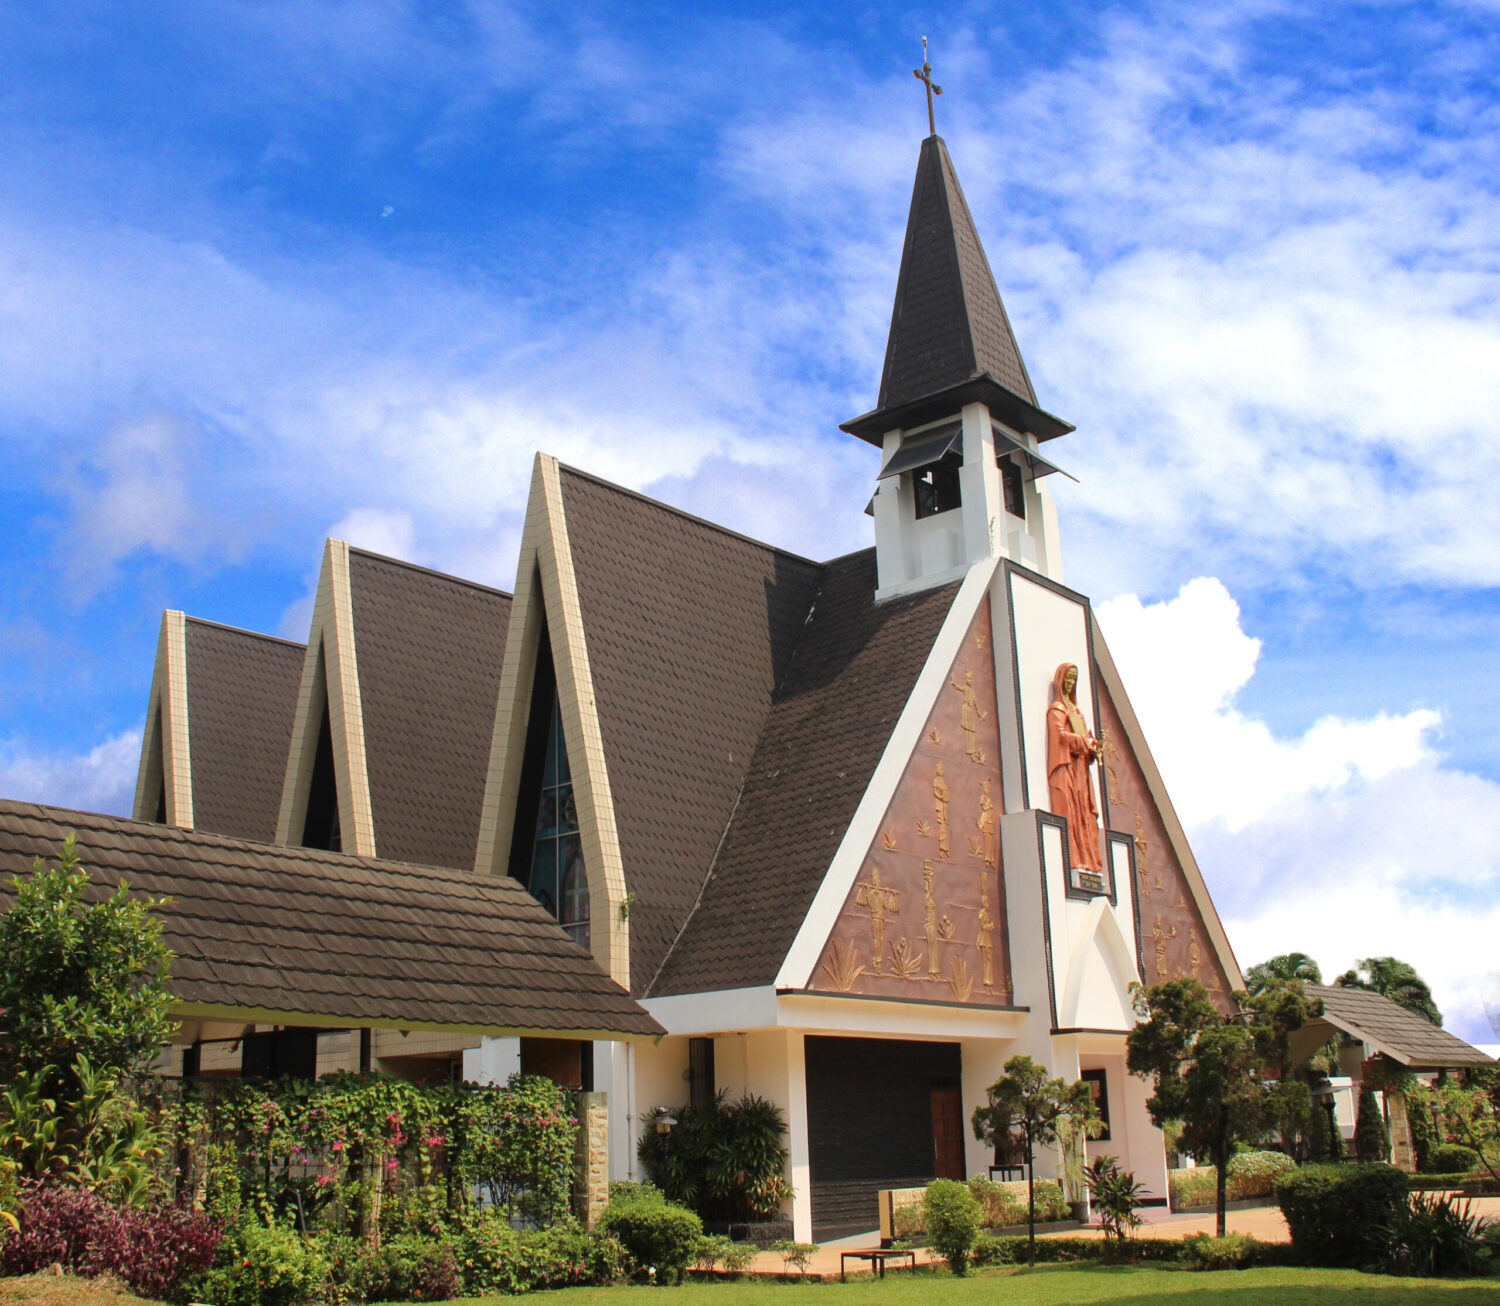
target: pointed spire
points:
(950, 341)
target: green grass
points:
(1054, 1285)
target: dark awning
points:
(923, 451)
(1007, 443)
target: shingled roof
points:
(690, 629)
(853, 670)
(297, 936)
(242, 697)
(950, 340)
(1402, 1035)
(429, 650)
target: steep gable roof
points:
(428, 647)
(853, 670)
(242, 695)
(690, 628)
(296, 936)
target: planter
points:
(1080, 1210)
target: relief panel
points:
(925, 919)
(1174, 942)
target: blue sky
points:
(273, 271)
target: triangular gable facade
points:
(164, 781)
(325, 797)
(925, 920)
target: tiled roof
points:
(948, 324)
(337, 938)
(853, 670)
(1410, 1036)
(242, 697)
(429, 649)
(690, 628)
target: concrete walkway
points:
(1262, 1222)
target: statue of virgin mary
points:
(1071, 750)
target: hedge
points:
(1251, 1174)
(1003, 1249)
(1336, 1213)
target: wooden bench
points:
(877, 1256)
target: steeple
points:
(957, 417)
(950, 338)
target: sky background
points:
(275, 271)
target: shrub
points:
(726, 1159)
(739, 1257)
(494, 1258)
(664, 1237)
(953, 1219)
(409, 1266)
(154, 1252)
(624, 1191)
(1451, 1158)
(1116, 1195)
(1372, 1140)
(1253, 1174)
(262, 1266)
(1434, 1235)
(1234, 1251)
(1010, 1249)
(1336, 1212)
(794, 1253)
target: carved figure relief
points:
(940, 795)
(911, 927)
(879, 901)
(1160, 934)
(1111, 756)
(1195, 957)
(930, 925)
(971, 716)
(986, 825)
(985, 942)
(1071, 751)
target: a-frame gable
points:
(329, 713)
(164, 779)
(1178, 928)
(821, 928)
(546, 605)
(926, 920)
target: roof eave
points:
(1004, 404)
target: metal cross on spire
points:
(924, 75)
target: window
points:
(1100, 1093)
(936, 487)
(700, 1071)
(558, 879)
(1011, 482)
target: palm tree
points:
(1288, 966)
(1394, 979)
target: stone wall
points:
(591, 1156)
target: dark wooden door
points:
(947, 1134)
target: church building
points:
(854, 832)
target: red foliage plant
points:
(152, 1250)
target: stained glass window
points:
(558, 879)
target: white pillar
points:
(494, 1061)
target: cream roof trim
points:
(330, 675)
(1137, 737)
(166, 755)
(547, 597)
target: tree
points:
(1287, 966)
(79, 979)
(1372, 1140)
(1394, 979)
(1209, 1069)
(1025, 1099)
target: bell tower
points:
(957, 422)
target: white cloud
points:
(1349, 840)
(100, 780)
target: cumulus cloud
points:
(99, 780)
(1351, 839)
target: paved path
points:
(1263, 1222)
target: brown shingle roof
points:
(853, 670)
(1403, 1033)
(948, 323)
(242, 697)
(690, 628)
(429, 648)
(335, 938)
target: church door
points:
(947, 1134)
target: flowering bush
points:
(497, 1259)
(263, 1266)
(154, 1251)
(409, 1268)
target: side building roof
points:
(296, 936)
(428, 648)
(1401, 1034)
(855, 665)
(690, 630)
(242, 696)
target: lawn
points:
(1054, 1285)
